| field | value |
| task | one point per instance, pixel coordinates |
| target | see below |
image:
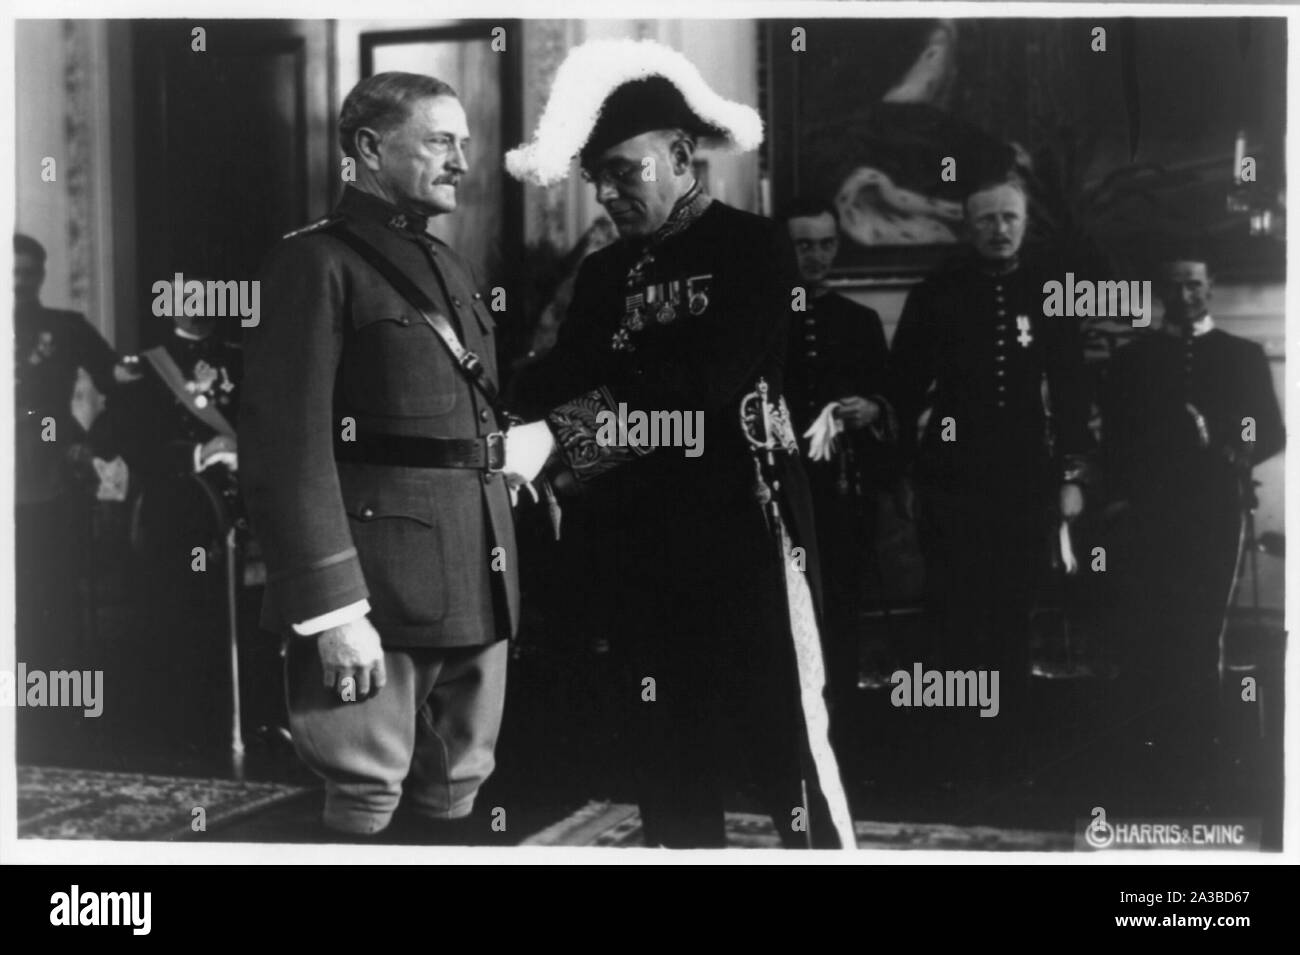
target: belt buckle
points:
(496, 452)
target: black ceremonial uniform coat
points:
(838, 349)
(1012, 381)
(705, 362)
(1154, 446)
(50, 344)
(161, 432)
(336, 340)
(1008, 426)
(159, 435)
(696, 576)
(1173, 419)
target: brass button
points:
(483, 415)
(488, 476)
(455, 301)
(367, 512)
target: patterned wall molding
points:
(78, 103)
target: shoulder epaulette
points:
(313, 227)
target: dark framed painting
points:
(1128, 140)
(487, 227)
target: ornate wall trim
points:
(78, 121)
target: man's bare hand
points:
(352, 651)
(857, 412)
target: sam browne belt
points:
(487, 453)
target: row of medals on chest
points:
(661, 302)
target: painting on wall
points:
(1126, 138)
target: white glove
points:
(823, 432)
(1068, 560)
(528, 446)
(229, 458)
(113, 479)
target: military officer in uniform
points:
(176, 428)
(1188, 411)
(1002, 457)
(835, 379)
(370, 460)
(180, 419)
(686, 313)
(54, 479)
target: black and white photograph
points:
(716, 428)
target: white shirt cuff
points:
(335, 618)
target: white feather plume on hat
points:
(594, 70)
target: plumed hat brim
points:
(607, 91)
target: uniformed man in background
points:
(835, 379)
(687, 315)
(370, 462)
(184, 411)
(1188, 411)
(176, 427)
(1001, 460)
(63, 370)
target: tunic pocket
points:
(396, 529)
(393, 367)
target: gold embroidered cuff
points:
(576, 426)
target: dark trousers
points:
(52, 542)
(984, 551)
(51, 554)
(180, 677)
(1176, 590)
(711, 630)
(846, 535)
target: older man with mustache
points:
(372, 448)
(1003, 457)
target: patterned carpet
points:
(81, 804)
(619, 825)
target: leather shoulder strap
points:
(469, 363)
